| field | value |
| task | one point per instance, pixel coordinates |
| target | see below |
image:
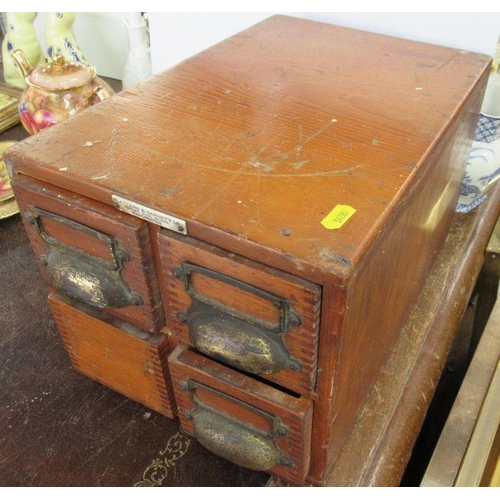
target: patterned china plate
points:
(8, 208)
(8, 205)
(483, 166)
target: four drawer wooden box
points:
(280, 199)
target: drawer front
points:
(241, 419)
(119, 356)
(92, 253)
(241, 313)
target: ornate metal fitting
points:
(233, 337)
(239, 442)
(90, 279)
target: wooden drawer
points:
(92, 253)
(241, 313)
(241, 419)
(119, 356)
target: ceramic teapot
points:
(57, 91)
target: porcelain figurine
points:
(20, 34)
(60, 37)
(138, 64)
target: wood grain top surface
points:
(263, 135)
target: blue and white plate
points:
(483, 166)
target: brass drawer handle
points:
(232, 439)
(233, 337)
(87, 278)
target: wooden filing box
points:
(272, 206)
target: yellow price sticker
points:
(338, 217)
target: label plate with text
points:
(151, 215)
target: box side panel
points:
(387, 282)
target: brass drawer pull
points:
(87, 278)
(232, 439)
(233, 337)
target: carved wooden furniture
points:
(264, 215)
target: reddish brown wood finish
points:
(384, 287)
(132, 235)
(304, 298)
(254, 141)
(294, 412)
(129, 361)
(261, 136)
